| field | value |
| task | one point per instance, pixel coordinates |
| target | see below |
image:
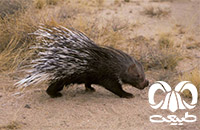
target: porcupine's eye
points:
(138, 76)
(134, 73)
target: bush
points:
(154, 57)
(156, 11)
(8, 7)
(165, 41)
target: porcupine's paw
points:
(127, 95)
(56, 95)
(89, 89)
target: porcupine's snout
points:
(143, 84)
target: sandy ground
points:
(77, 109)
(33, 109)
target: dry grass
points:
(158, 12)
(193, 45)
(194, 77)
(165, 41)
(52, 2)
(11, 126)
(100, 2)
(162, 55)
(108, 34)
(15, 39)
(12, 56)
(155, 58)
(39, 4)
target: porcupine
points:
(67, 56)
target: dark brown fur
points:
(109, 68)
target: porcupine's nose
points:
(144, 84)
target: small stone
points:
(27, 106)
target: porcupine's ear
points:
(131, 68)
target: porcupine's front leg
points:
(54, 88)
(88, 88)
(116, 88)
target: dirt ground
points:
(33, 109)
(77, 109)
